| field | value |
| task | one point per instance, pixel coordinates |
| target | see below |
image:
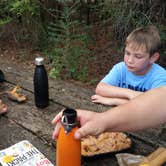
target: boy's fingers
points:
(93, 97)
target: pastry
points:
(104, 143)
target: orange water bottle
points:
(68, 148)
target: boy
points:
(137, 74)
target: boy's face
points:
(137, 59)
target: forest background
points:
(80, 39)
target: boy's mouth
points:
(130, 67)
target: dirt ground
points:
(105, 52)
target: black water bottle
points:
(2, 76)
(41, 84)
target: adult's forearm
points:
(146, 110)
(117, 101)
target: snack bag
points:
(126, 159)
(157, 158)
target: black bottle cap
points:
(71, 115)
(69, 119)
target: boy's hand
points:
(108, 100)
(134, 94)
(101, 100)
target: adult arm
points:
(145, 111)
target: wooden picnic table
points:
(26, 122)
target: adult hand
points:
(90, 124)
(57, 122)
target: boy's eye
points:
(138, 56)
(127, 53)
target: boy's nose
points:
(130, 59)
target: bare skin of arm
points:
(145, 111)
(106, 90)
(108, 100)
(112, 95)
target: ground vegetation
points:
(82, 39)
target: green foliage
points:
(163, 32)
(57, 27)
(4, 12)
(4, 21)
(127, 15)
(25, 13)
(15, 8)
(22, 7)
(162, 29)
(67, 44)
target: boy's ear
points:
(154, 57)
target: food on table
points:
(104, 143)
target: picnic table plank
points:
(27, 115)
(62, 92)
(12, 133)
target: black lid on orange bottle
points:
(69, 119)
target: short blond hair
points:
(147, 37)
